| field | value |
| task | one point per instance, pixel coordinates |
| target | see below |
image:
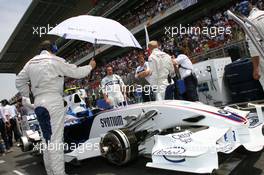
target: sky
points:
(11, 11)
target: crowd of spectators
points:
(146, 10)
(191, 44)
(79, 52)
(121, 66)
(197, 43)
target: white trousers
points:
(54, 154)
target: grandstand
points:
(24, 41)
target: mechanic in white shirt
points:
(3, 123)
(11, 109)
(113, 89)
(185, 67)
(160, 67)
(24, 107)
(256, 16)
(28, 105)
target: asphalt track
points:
(19, 163)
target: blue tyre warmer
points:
(43, 117)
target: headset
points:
(243, 7)
(47, 45)
(54, 48)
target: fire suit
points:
(112, 87)
(256, 16)
(160, 65)
(29, 108)
(46, 73)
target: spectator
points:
(3, 124)
(11, 115)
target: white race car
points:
(179, 135)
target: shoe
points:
(9, 150)
(2, 154)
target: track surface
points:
(21, 163)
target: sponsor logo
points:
(253, 121)
(231, 116)
(184, 137)
(172, 151)
(230, 136)
(225, 148)
(111, 121)
(185, 103)
(169, 153)
(174, 160)
(224, 112)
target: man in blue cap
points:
(46, 73)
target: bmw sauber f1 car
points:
(179, 135)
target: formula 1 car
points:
(76, 111)
(179, 135)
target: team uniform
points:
(256, 16)
(29, 108)
(46, 73)
(112, 87)
(160, 65)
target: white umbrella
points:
(97, 30)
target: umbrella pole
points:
(94, 46)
